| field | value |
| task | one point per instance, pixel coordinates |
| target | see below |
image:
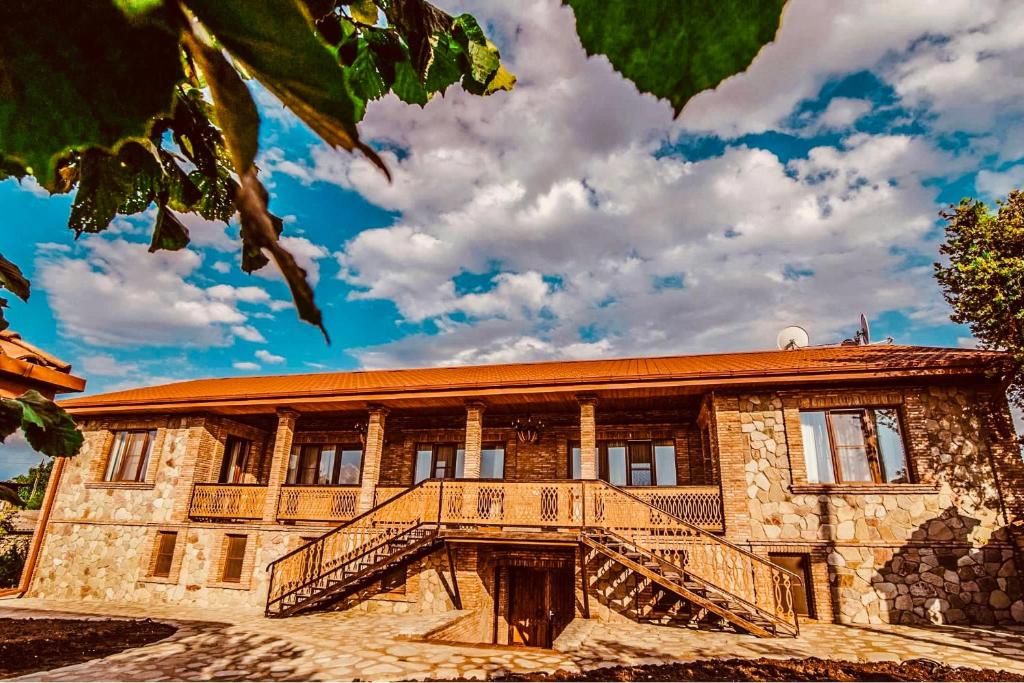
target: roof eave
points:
(79, 407)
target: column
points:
(474, 439)
(286, 419)
(588, 437)
(373, 450)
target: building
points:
(24, 367)
(860, 484)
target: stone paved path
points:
(211, 645)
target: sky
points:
(573, 217)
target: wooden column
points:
(373, 450)
(474, 439)
(588, 437)
(286, 419)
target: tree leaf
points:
(503, 80)
(103, 187)
(12, 279)
(364, 11)
(418, 21)
(407, 85)
(444, 68)
(169, 233)
(275, 41)
(260, 230)
(233, 104)
(10, 417)
(9, 496)
(48, 428)
(74, 78)
(675, 50)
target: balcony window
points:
(638, 462)
(441, 461)
(575, 460)
(326, 465)
(236, 460)
(129, 457)
(853, 446)
(492, 461)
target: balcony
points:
(228, 501)
(318, 503)
(698, 505)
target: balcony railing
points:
(698, 505)
(228, 501)
(318, 503)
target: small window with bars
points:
(163, 553)
(234, 558)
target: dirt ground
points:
(811, 669)
(28, 645)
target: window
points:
(441, 461)
(129, 457)
(164, 553)
(325, 465)
(492, 461)
(236, 460)
(636, 463)
(234, 558)
(853, 446)
(575, 460)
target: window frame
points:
(339, 449)
(451, 467)
(493, 446)
(114, 468)
(873, 452)
(158, 553)
(603, 466)
(228, 459)
(229, 540)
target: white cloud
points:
(209, 234)
(268, 357)
(590, 242)
(246, 366)
(248, 333)
(997, 184)
(121, 296)
(222, 267)
(843, 112)
(106, 365)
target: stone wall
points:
(936, 550)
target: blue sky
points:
(573, 217)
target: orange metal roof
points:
(758, 366)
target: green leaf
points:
(233, 104)
(418, 22)
(48, 428)
(363, 73)
(407, 85)
(275, 42)
(444, 68)
(364, 11)
(10, 417)
(169, 233)
(79, 77)
(675, 50)
(103, 187)
(12, 279)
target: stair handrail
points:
(781, 607)
(311, 566)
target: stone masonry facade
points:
(937, 550)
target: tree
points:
(109, 100)
(35, 482)
(984, 281)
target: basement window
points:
(863, 445)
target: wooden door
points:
(541, 604)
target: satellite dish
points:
(792, 337)
(865, 330)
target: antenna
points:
(792, 337)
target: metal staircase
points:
(717, 578)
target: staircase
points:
(719, 580)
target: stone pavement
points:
(212, 645)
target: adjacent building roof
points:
(820, 363)
(25, 364)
